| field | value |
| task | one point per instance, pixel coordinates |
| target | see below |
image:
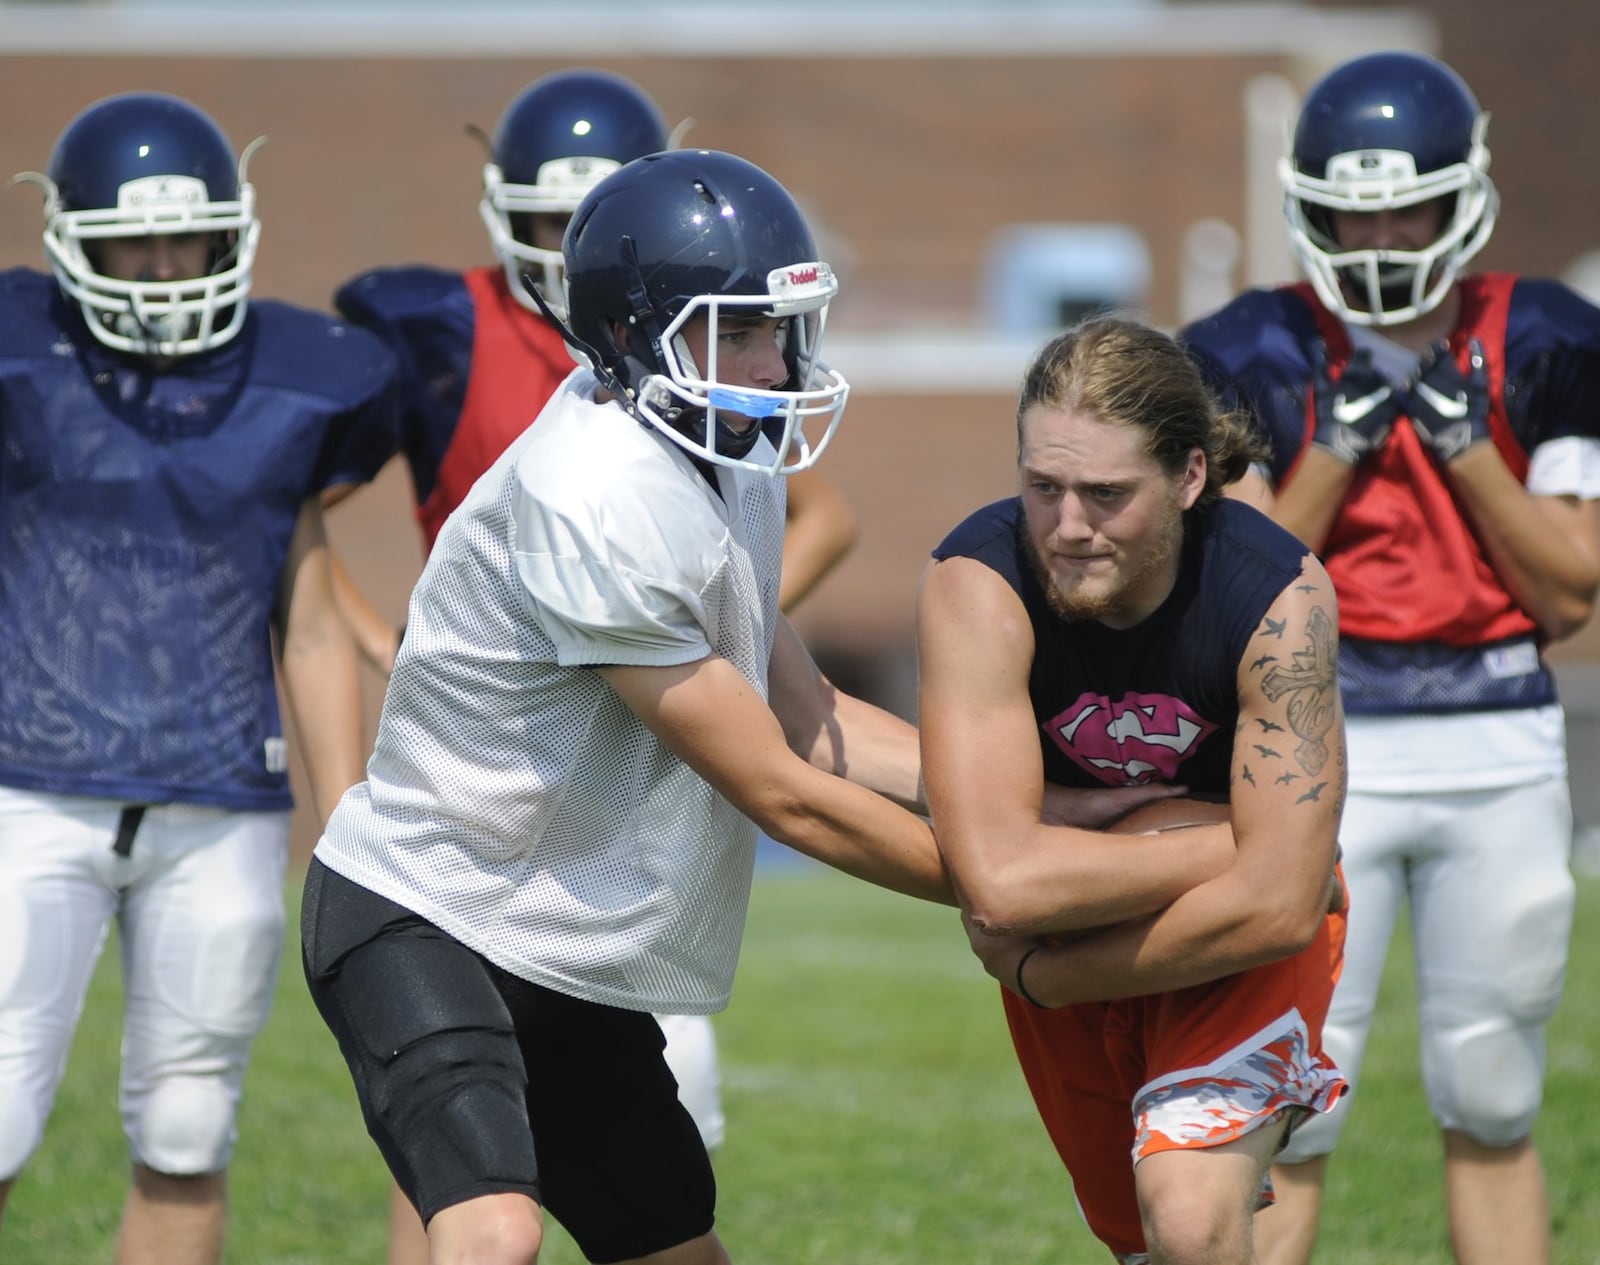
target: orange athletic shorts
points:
(1195, 1068)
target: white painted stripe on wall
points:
(701, 29)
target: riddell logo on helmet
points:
(805, 276)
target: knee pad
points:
(1483, 1048)
(454, 1120)
(484, 1126)
(1486, 1080)
(184, 1126)
(21, 1130)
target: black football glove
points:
(1355, 412)
(1448, 408)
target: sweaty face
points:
(1104, 520)
(156, 257)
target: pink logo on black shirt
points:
(1141, 738)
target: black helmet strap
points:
(602, 370)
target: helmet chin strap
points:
(591, 357)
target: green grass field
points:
(875, 1114)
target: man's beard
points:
(1076, 605)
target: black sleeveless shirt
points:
(1158, 702)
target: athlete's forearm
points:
(377, 638)
(1308, 503)
(1543, 549)
(813, 544)
(839, 733)
(872, 748)
(323, 690)
(852, 829)
(1219, 929)
(1059, 879)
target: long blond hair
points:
(1126, 373)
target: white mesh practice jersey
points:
(513, 799)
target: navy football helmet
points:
(695, 233)
(145, 163)
(1384, 131)
(556, 141)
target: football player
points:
(1121, 623)
(481, 359)
(1434, 439)
(595, 705)
(167, 439)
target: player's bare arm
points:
(837, 732)
(1308, 501)
(709, 716)
(1288, 786)
(985, 778)
(377, 639)
(1254, 490)
(320, 676)
(1096, 808)
(1545, 549)
(1289, 767)
(820, 529)
(849, 737)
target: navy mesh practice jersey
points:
(1157, 702)
(145, 518)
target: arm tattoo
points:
(1309, 683)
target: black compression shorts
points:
(476, 1082)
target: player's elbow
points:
(1287, 927)
(1002, 900)
(1294, 935)
(1567, 613)
(777, 808)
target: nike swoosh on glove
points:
(1354, 412)
(1449, 407)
